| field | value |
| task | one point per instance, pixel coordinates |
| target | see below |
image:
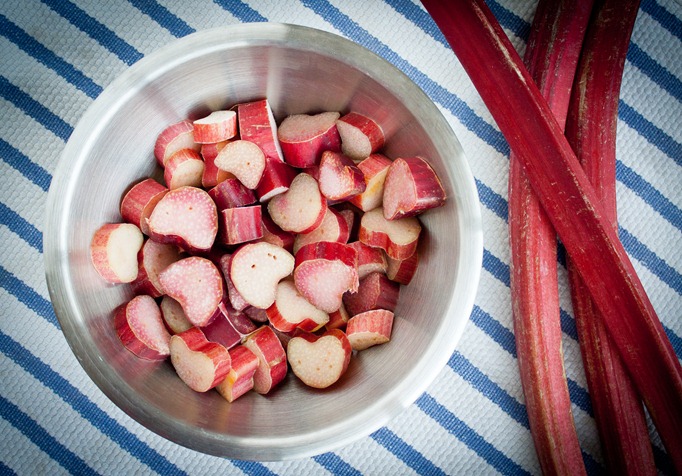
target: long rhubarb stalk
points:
(591, 131)
(551, 56)
(572, 205)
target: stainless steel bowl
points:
(299, 70)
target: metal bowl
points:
(299, 70)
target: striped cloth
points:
(56, 56)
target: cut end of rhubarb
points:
(113, 252)
(411, 187)
(244, 159)
(304, 137)
(360, 135)
(398, 238)
(319, 361)
(301, 208)
(370, 328)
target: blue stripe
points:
(41, 438)
(34, 109)
(96, 30)
(650, 260)
(650, 132)
(649, 194)
(21, 227)
(511, 21)
(488, 388)
(496, 267)
(658, 74)
(450, 101)
(411, 457)
(26, 295)
(500, 334)
(568, 324)
(335, 465)
(252, 468)
(6, 470)
(241, 10)
(468, 436)
(161, 15)
(27, 43)
(580, 397)
(85, 407)
(32, 171)
(666, 19)
(492, 200)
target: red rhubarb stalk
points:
(551, 56)
(591, 130)
(565, 192)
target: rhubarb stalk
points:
(551, 57)
(591, 131)
(567, 196)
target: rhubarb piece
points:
(228, 327)
(398, 238)
(174, 316)
(370, 260)
(277, 178)
(275, 235)
(216, 127)
(183, 168)
(272, 360)
(140, 327)
(113, 252)
(300, 209)
(339, 177)
(291, 310)
(402, 270)
(175, 137)
(231, 193)
(257, 314)
(153, 258)
(338, 319)
(369, 328)
(375, 291)
(324, 271)
(334, 227)
(255, 270)
(239, 379)
(374, 168)
(319, 361)
(257, 124)
(618, 410)
(239, 225)
(137, 205)
(411, 187)
(236, 299)
(244, 160)
(305, 137)
(199, 363)
(563, 188)
(212, 175)
(187, 217)
(360, 135)
(196, 283)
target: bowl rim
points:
(56, 249)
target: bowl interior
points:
(299, 70)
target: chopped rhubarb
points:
(140, 327)
(138, 204)
(113, 252)
(212, 175)
(275, 235)
(153, 258)
(187, 217)
(369, 328)
(398, 238)
(291, 310)
(370, 260)
(257, 124)
(305, 137)
(340, 179)
(228, 327)
(411, 187)
(173, 138)
(199, 363)
(216, 127)
(375, 291)
(300, 209)
(402, 270)
(244, 159)
(319, 361)
(360, 135)
(272, 359)
(334, 227)
(239, 225)
(239, 379)
(374, 168)
(173, 315)
(183, 168)
(338, 319)
(277, 178)
(231, 193)
(197, 284)
(236, 299)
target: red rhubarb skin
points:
(591, 131)
(99, 254)
(411, 187)
(304, 149)
(176, 161)
(375, 291)
(213, 132)
(230, 193)
(240, 225)
(212, 175)
(402, 271)
(196, 341)
(366, 125)
(378, 323)
(272, 359)
(534, 282)
(373, 195)
(275, 235)
(183, 130)
(276, 179)
(340, 179)
(137, 205)
(152, 259)
(254, 119)
(574, 208)
(140, 345)
(239, 379)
